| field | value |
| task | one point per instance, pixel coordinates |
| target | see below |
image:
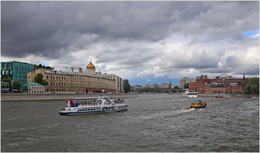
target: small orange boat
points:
(200, 104)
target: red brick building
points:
(220, 84)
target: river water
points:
(153, 123)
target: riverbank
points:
(210, 95)
(230, 95)
(8, 97)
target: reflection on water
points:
(158, 123)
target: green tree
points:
(176, 87)
(255, 88)
(251, 86)
(6, 79)
(39, 79)
(247, 89)
(17, 85)
(127, 86)
(44, 82)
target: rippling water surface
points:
(154, 122)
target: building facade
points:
(58, 81)
(147, 85)
(33, 87)
(220, 84)
(119, 82)
(164, 85)
(16, 70)
(185, 80)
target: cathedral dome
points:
(90, 66)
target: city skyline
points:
(144, 42)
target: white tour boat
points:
(98, 105)
(192, 95)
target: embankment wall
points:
(230, 95)
(8, 97)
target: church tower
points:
(91, 68)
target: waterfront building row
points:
(58, 81)
(220, 84)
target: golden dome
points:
(90, 65)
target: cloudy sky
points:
(144, 42)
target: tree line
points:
(251, 86)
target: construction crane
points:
(80, 69)
(72, 68)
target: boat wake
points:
(184, 110)
(165, 114)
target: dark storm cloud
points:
(51, 28)
(129, 33)
(127, 56)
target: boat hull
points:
(200, 104)
(198, 107)
(192, 96)
(90, 112)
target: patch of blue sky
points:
(43, 63)
(251, 33)
(154, 80)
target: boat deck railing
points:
(89, 104)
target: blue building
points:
(16, 70)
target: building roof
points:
(17, 62)
(33, 84)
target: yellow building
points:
(119, 82)
(59, 81)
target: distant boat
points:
(219, 96)
(186, 93)
(192, 95)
